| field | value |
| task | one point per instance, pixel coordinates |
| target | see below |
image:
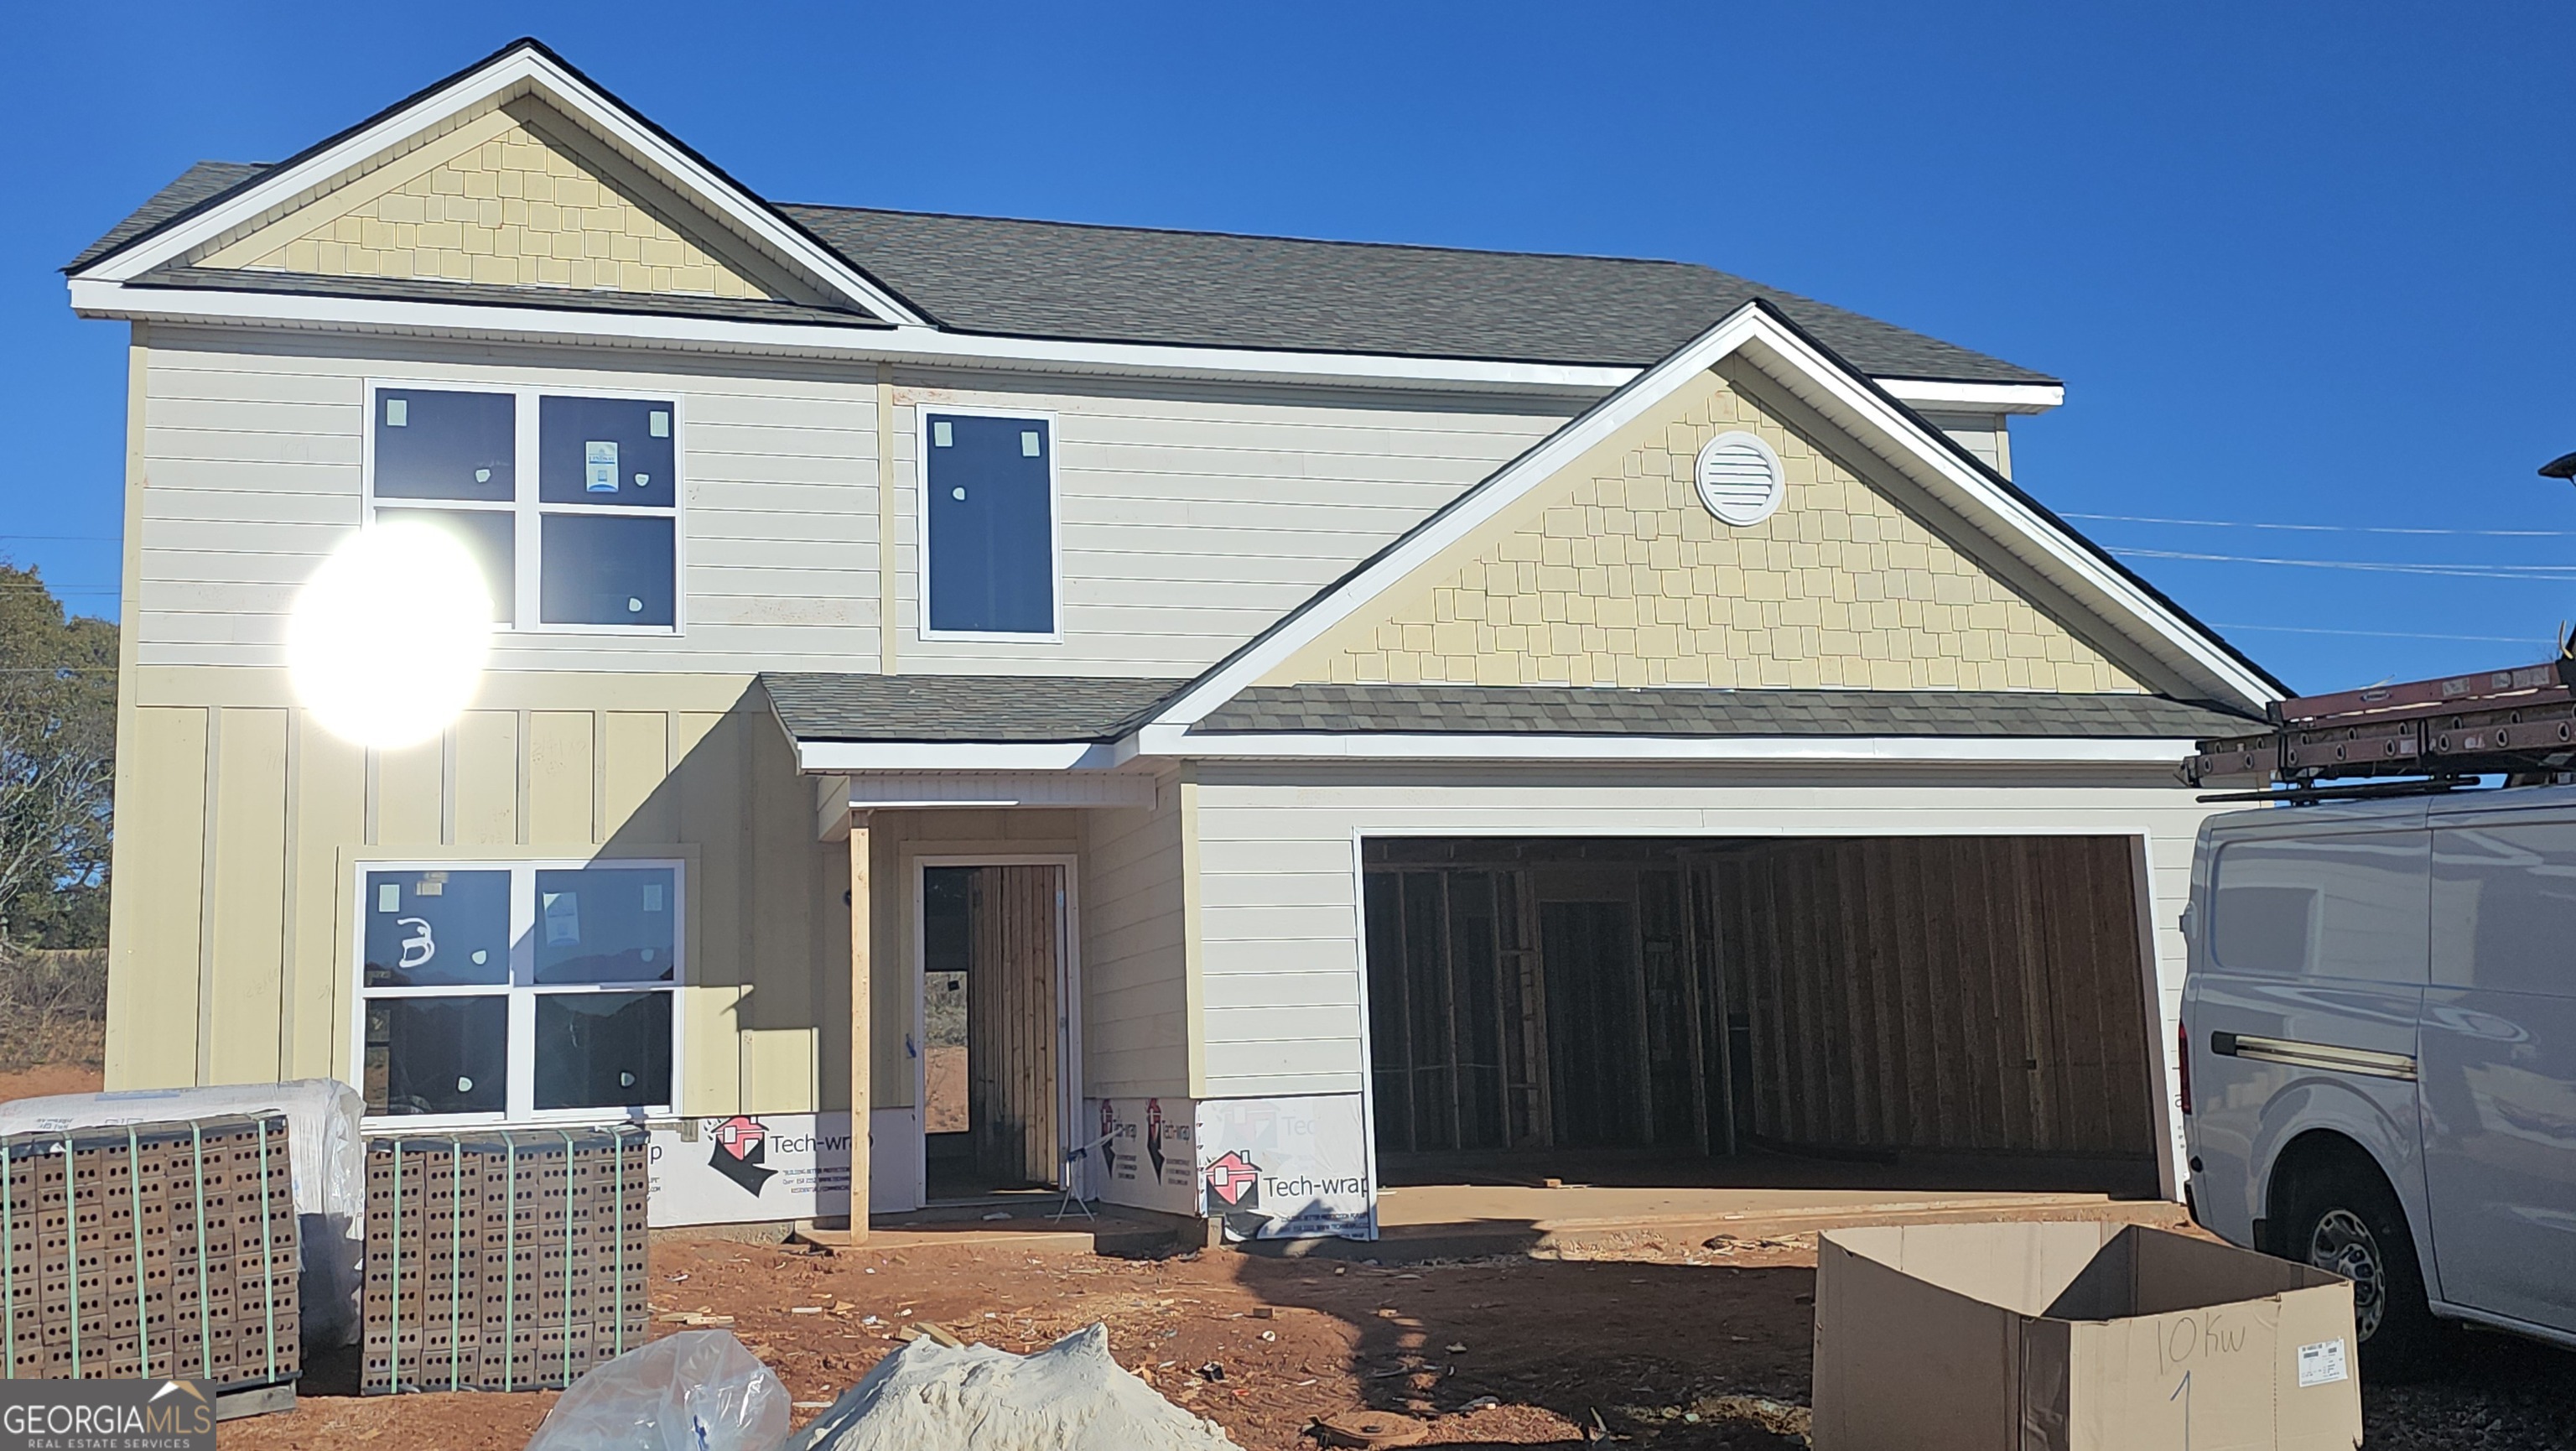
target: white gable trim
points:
(1850, 402)
(522, 68)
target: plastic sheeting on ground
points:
(326, 1156)
(699, 1390)
(1071, 1396)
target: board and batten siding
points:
(243, 826)
(1279, 930)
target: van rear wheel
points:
(2348, 1221)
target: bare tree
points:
(57, 767)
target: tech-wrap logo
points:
(1233, 1181)
(742, 1152)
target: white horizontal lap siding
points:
(1191, 519)
(1135, 995)
(1280, 923)
(253, 455)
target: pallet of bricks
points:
(151, 1250)
(501, 1261)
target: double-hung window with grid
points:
(520, 991)
(570, 502)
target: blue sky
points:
(2299, 264)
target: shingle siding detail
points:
(517, 208)
(1614, 574)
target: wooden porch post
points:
(861, 1080)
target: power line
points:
(2399, 634)
(71, 538)
(2538, 573)
(2331, 528)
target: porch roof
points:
(961, 709)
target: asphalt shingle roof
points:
(1692, 711)
(819, 706)
(1142, 285)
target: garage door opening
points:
(1939, 1013)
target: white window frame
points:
(521, 989)
(921, 421)
(528, 510)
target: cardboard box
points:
(2076, 1337)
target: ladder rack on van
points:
(2507, 722)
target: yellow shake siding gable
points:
(1613, 573)
(504, 200)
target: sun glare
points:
(389, 637)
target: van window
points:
(2334, 906)
(2504, 907)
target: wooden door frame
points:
(1068, 988)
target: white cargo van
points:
(2379, 1053)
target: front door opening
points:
(1932, 1012)
(992, 969)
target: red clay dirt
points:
(1676, 1343)
(47, 1079)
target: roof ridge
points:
(1291, 237)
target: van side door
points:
(2498, 1065)
(2312, 972)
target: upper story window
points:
(988, 525)
(571, 502)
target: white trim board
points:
(1897, 435)
(1446, 746)
(925, 345)
(523, 68)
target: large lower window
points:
(988, 525)
(526, 991)
(575, 521)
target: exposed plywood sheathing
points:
(1017, 959)
(1973, 993)
(1876, 994)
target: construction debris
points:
(1370, 1430)
(1069, 1397)
(699, 1390)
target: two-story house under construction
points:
(1301, 711)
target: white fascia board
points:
(928, 346)
(1894, 750)
(518, 68)
(926, 790)
(2001, 514)
(1937, 395)
(852, 758)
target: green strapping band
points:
(134, 1197)
(510, 1263)
(205, 1330)
(267, 1253)
(617, 1167)
(393, 1361)
(71, 1244)
(455, 1267)
(8, 1258)
(564, 1338)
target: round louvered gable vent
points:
(1740, 479)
